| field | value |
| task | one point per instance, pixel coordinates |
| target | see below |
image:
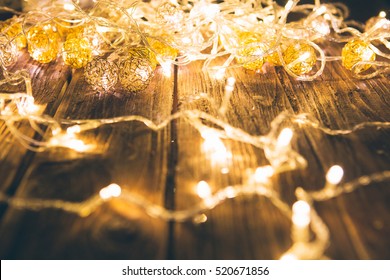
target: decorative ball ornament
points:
(8, 51)
(251, 47)
(300, 58)
(135, 73)
(162, 49)
(169, 14)
(77, 52)
(43, 43)
(356, 51)
(13, 30)
(102, 74)
(144, 53)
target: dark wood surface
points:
(164, 167)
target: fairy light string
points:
(120, 45)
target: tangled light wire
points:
(202, 30)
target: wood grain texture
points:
(128, 154)
(165, 167)
(48, 93)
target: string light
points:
(77, 52)
(334, 175)
(101, 74)
(129, 42)
(357, 51)
(299, 58)
(43, 43)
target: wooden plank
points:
(242, 228)
(48, 89)
(337, 101)
(128, 154)
(150, 165)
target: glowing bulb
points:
(304, 56)
(69, 140)
(357, 51)
(285, 137)
(321, 26)
(203, 189)
(327, 17)
(95, 42)
(382, 14)
(77, 145)
(301, 214)
(112, 190)
(200, 219)
(230, 192)
(262, 174)
(73, 129)
(29, 107)
(69, 7)
(230, 84)
(335, 174)
(32, 108)
(225, 170)
(186, 40)
(214, 148)
(219, 74)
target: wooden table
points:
(164, 167)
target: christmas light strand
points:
(120, 45)
(245, 33)
(277, 147)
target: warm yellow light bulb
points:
(285, 137)
(357, 51)
(215, 149)
(263, 174)
(77, 52)
(334, 174)
(69, 7)
(203, 189)
(250, 51)
(43, 43)
(13, 30)
(112, 190)
(300, 58)
(301, 213)
(163, 50)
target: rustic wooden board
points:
(338, 101)
(49, 82)
(164, 167)
(129, 155)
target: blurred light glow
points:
(334, 174)
(203, 189)
(301, 213)
(262, 174)
(112, 190)
(285, 137)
